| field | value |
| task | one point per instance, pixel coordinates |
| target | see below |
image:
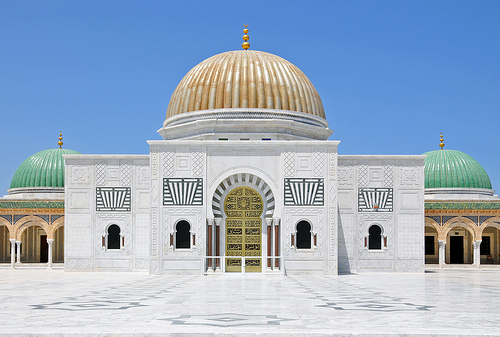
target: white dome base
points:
(245, 124)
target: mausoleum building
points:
(245, 180)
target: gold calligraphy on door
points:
(243, 207)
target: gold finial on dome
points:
(441, 139)
(245, 44)
(60, 143)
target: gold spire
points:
(60, 143)
(441, 139)
(245, 44)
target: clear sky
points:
(392, 74)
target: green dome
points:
(43, 169)
(454, 169)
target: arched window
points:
(182, 235)
(375, 237)
(114, 237)
(303, 235)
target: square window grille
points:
(304, 192)
(183, 191)
(113, 199)
(375, 200)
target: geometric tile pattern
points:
(304, 192)
(126, 174)
(363, 175)
(318, 164)
(375, 200)
(388, 176)
(197, 164)
(227, 320)
(182, 191)
(100, 174)
(168, 163)
(289, 166)
(341, 298)
(113, 199)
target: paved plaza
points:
(54, 302)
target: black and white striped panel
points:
(182, 191)
(239, 178)
(304, 192)
(375, 200)
(113, 199)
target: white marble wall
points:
(216, 162)
(403, 227)
(85, 226)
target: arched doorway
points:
(431, 245)
(4, 244)
(34, 246)
(243, 207)
(459, 246)
(490, 246)
(58, 245)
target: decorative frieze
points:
(32, 204)
(463, 205)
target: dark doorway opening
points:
(456, 249)
(303, 235)
(44, 249)
(114, 237)
(182, 235)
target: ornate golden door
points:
(243, 207)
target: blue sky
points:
(392, 74)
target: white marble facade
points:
(91, 208)
(340, 219)
(263, 131)
(401, 222)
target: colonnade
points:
(15, 253)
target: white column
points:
(50, 242)
(267, 262)
(278, 263)
(18, 251)
(442, 253)
(477, 253)
(12, 253)
(219, 244)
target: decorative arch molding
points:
(243, 179)
(491, 222)
(10, 227)
(28, 221)
(58, 223)
(461, 222)
(435, 225)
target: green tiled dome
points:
(454, 169)
(43, 169)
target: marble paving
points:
(58, 303)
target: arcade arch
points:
(460, 234)
(490, 241)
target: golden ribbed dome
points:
(245, 79)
